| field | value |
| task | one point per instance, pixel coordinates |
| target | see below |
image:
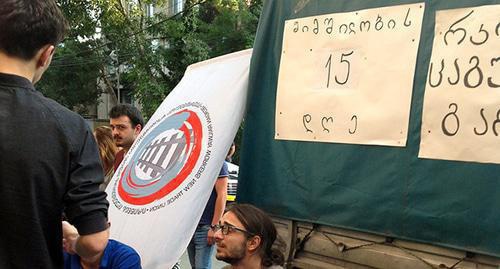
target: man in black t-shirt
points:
(49, 159)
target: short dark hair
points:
(127, 110)
(257, 222)
(28, 25)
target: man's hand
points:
(70, 236)
(210, 237)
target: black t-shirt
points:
(49, 165)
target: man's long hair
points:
(259, 223)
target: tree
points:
(72, 80)
(114, 43)
(204, 30)
(60, 83)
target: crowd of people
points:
(55, 169)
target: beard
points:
(123, 142)
(233, 254)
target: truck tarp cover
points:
(377, 188)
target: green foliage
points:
(207, 30)
(148, 55)
(72, 81)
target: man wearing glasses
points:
(245, 238)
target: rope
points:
(389, 242)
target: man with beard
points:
(245, 238)
(126, 123)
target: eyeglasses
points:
(228, 228)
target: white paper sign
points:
(159, 191)
(348, 77)
(461, 116)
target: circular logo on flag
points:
(164, 158)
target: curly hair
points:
(127, 110)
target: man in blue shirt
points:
(116, 255)
(201, 246)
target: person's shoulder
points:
(224, 171)
(73, 125)
(119, 246)
(69, 120)
(49, 110)
(121, 255)
(55, 106)
(67, 116)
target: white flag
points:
(158, 193)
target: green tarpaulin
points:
(377, 189)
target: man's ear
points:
(45, 56)
(138, 129)
(253, 243)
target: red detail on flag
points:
(191, 161)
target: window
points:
(177, 6)
(150, 10)
(125, 96)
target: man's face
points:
(231, 247)
(123, 133)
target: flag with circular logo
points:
(158, 193)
